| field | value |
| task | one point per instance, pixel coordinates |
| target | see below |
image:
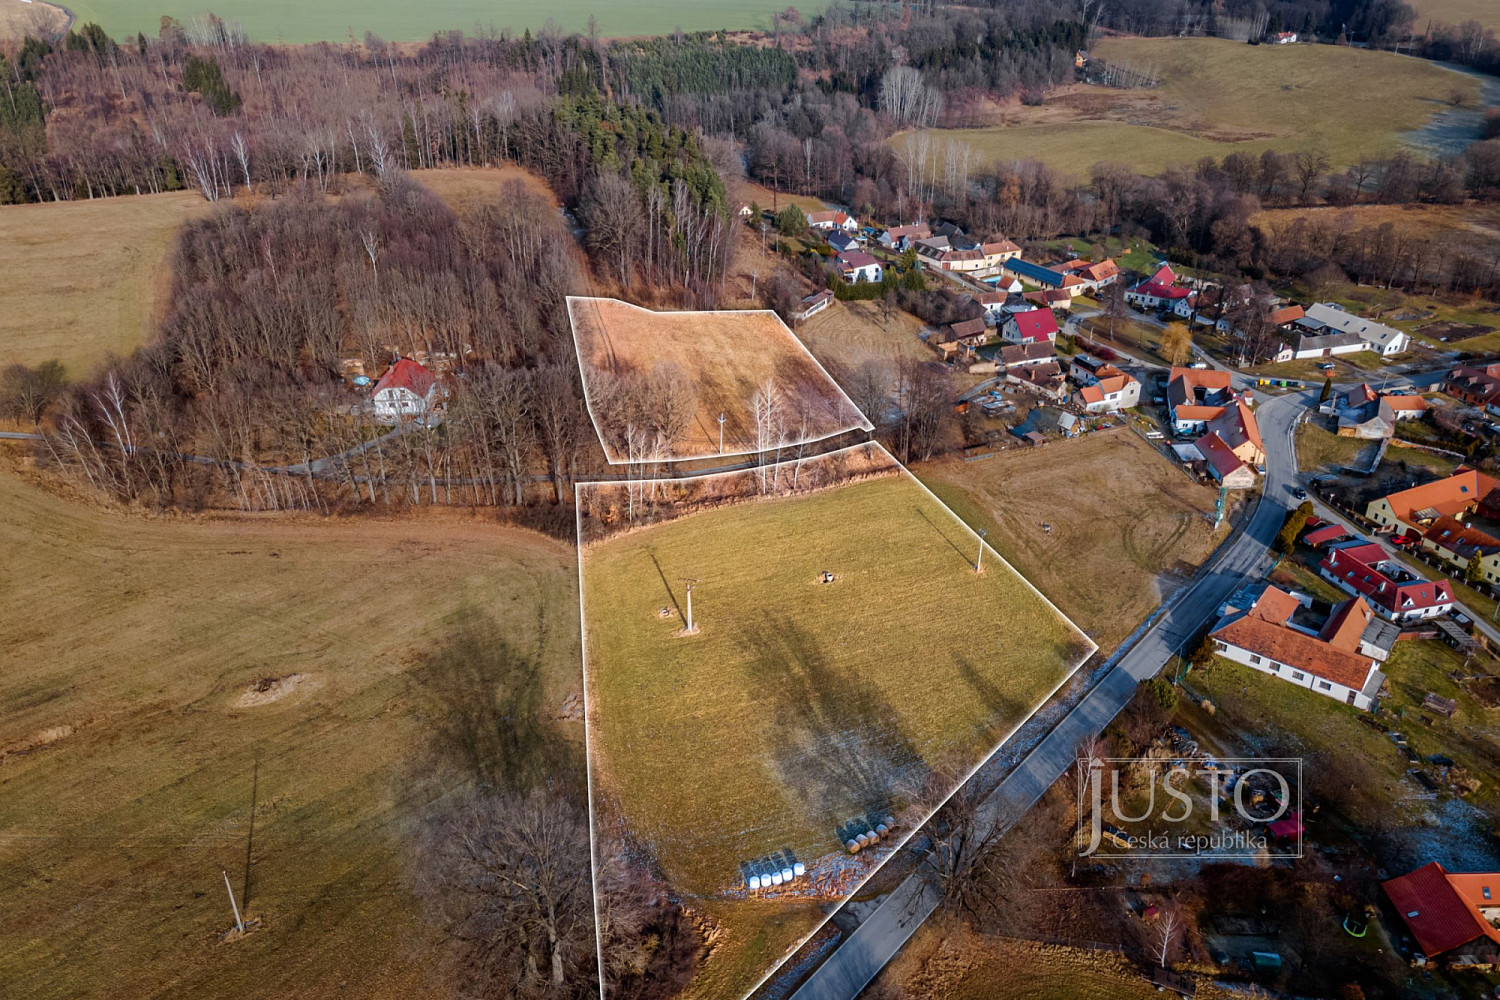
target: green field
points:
(798, 704)
(295, 22)
(128, 737)
(1217, 97)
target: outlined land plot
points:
(781, 661)
(657, 383)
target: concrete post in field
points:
(238, 923)
(979, 563)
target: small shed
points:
(1442, 706)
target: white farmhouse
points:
(405, 390)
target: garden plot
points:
(658, 383)
(842, 667)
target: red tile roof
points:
(1035, 324)
(406, 374)
(1162, 285)
(1436, 910)
(1218, 454)
(1357, 567)
(1324, 535)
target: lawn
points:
(799, 705)
(463, 188)
(723, 358)
(1321, 450)
(126, 753)
(1127, 527)
(86, 278)
(339, 20)
(1218, 97)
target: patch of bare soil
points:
(271, 689)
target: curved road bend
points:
(885, 929)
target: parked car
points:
(1200, 365)
(1299, 493)
(1327, 366)
(1400, 540)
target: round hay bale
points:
(890, 822)
(881, 830)
(853, 846)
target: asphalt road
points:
(884, 930)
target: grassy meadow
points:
(86, 278)
(130, 648)
(1126, 526)
(799, 704)
(1217, 97)
(340, 20)
(1456, 12)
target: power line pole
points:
(238, 923)
(250, 840)
(689, 583)
(979, 563)
(721, 434)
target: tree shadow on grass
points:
(840, 746)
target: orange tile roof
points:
(1347, 623)
(1274, 605)
(1201, 378)
(1299, 650)
(1440, 914)
(1461, 491)
(1405, 402)
(1450, 533)
(1190, 411)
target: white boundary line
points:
(864, 423)
(792, 949)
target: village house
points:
(832, 220)
(1030, 326)
(1020, 355)
(813, 304)
(1198, 390)
(1272, 631)
(1331, 318)
(1227, 468)
(899, 238)
(1052, 299)
(1414, 510)
(842, 241)
(1093, 275)
(1045, 279)
(1450, 914)
(1475, 386)
(1111, 390)
(1161, 291)
(857, 266)
(993, 304)
(1238, 429)
(961, 339)
(1362, 568)
(1457, 544)
(405, 390)
(964, 255)
(1044, 379)
(1364, 413)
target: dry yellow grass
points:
(86, 278)
(464, 187)
(18, 18)
(1126, 525)
(749, 191)
(126, 646)
(846, 335)
(947, 961)
(726, 356)
(1217, 97)
(1456, 12)
(1462, 227)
